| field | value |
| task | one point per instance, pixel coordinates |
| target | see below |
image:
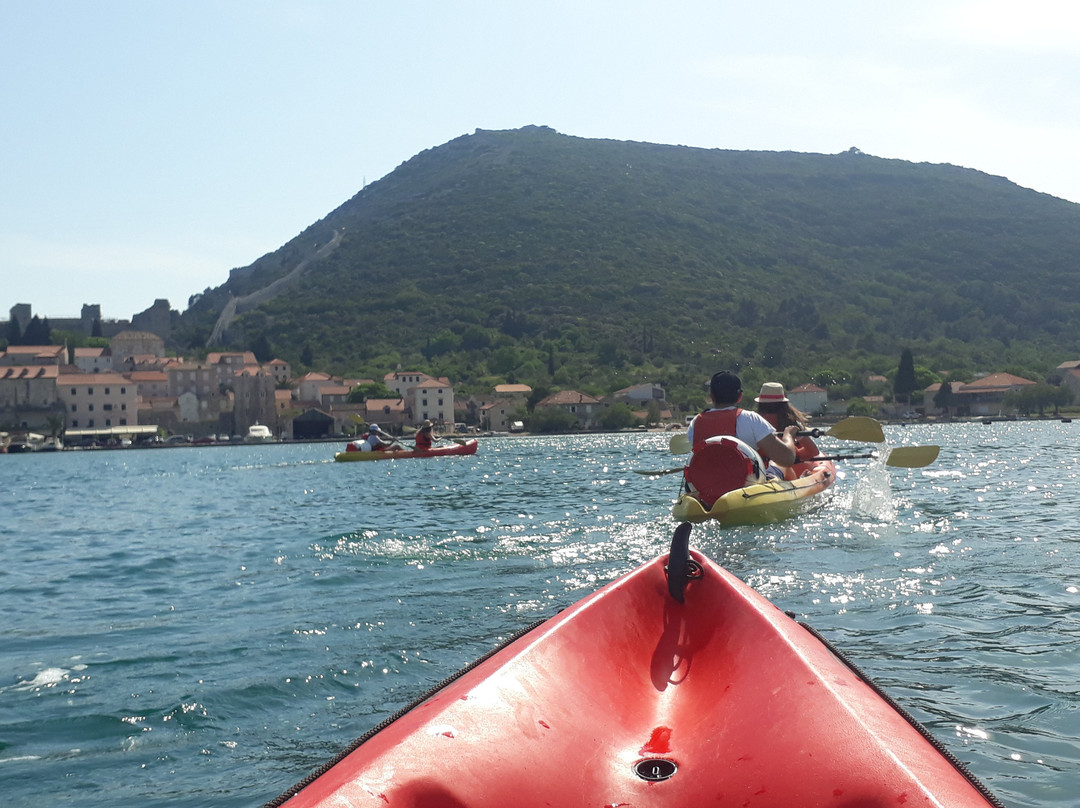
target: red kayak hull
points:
(723, 697)
(465, 448)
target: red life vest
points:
(721, 462)
(715, 422)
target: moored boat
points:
(765, 502)
(259, 433)
(464, 447)
(675, 685)
(25, 443)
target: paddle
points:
(906, 457)
(679, 444)
(856, 427)
(659, 473)
(393, 440)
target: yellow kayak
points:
(762, 503)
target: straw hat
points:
(771, 392)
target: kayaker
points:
(776, 408)
(425, 437)
(726, 418)
(375, 442)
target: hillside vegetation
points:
(561, 262)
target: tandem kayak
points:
(467, 447)
(762, 503)
(675, 685)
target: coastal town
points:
(130, 392)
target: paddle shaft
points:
(907, 457)
(854, 427)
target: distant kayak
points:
(763, 502)
(675, 685)
(466, 447)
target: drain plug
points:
(655, 769)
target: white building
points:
(426, 397)
(94, 400)
(808, 398)
(93, 360)
(640, 394)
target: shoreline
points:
(669, 429)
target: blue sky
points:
(148, 147)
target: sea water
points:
(205, 626)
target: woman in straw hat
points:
(776, 408)
(425, 436)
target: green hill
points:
(557, 261)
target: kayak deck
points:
(466, 448)
(762, 503)
(648, 694)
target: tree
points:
(1060, 397)
(551, 419)
(1037, 397)
(37, 332)
(262, 348)
(538, 394)
(860, 406)
(362, 392)
(56, 424)
(905, 383)
(944, 398)
(617, 416)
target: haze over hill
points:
(532, 256)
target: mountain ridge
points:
(534, 256)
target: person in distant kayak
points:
(756, 441)
(426, 437)
(379, 441)
(776, 408)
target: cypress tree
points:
(14, 335)
(905, 383)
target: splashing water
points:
(871, 497)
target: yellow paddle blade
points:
(357, 418)
(680, 444)
(857, 427)
(912, 457)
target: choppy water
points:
(204, 626)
